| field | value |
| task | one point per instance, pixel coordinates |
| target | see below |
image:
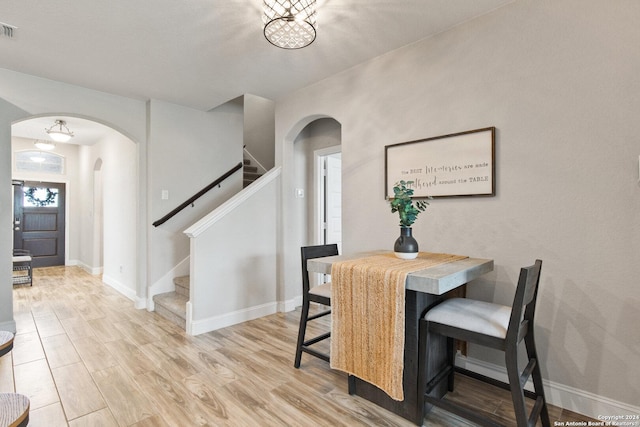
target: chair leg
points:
(301, 332)
(536, 375)
(517, 392)
(451, 360)
(351, 383)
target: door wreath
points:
(36, 197)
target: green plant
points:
(403, 203)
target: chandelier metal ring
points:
(290, 24)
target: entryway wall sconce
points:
(58, 134)
(290, 24)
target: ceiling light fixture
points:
(290, 24)
(58, 134)
(44, 145)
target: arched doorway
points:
(317, 181)
(101, 175)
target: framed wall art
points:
(459, 164)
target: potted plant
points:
(406, 246)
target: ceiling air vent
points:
(7, 30)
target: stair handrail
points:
(199, 194)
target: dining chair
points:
(490, 325)
(320, 294)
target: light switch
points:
(300, 193)
(165, 195)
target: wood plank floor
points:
(86, 357)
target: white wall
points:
(319, 134)
(119, 192)
(23, 96)
(186, 144)
(88, 249)
(561, 88)
(259, 129)
(233, 260)
(8, 114)
(188, 150)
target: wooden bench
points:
(22, 271)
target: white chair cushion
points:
(477, 316)
(323, 290)
(21, 258)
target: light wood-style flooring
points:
(86, 357)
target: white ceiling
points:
(86, 132)
(202, 53)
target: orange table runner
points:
(367, 316)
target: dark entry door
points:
(38, 221)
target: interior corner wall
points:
(8, 114)
(85, 224)
(561, 88)
(188, 149)
(119, 191)
(259, 129)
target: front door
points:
(38, 221)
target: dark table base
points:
(416, 304)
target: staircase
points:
(250, 173)
(173, 305)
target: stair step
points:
(172, 306)
(251, 175)
(182, 285)
(253, 169)
(246, 161)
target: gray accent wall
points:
(559, 81)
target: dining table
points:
(423, 289)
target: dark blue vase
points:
(406, 247)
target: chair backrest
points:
(524, 302)
(310, 252)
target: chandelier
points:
(290, 24)
(57, 133)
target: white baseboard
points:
(120, 287)
(570, 398)
(197, 327)
(94, 271)
(140, 303)
(289, 305)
